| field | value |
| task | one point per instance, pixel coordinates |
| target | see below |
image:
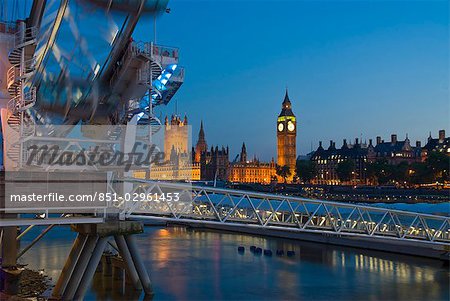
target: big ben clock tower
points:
(286, 136)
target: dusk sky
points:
(353, 68)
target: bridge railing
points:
(205, 204)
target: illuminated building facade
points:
(395, 151)
(179, 166)
(214, 163)
(441, 144)
(286, 136)
(327, 160)
(176, 136)
(253, 171)
(201, 145)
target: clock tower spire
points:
(287, 135)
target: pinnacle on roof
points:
(286, 100)
(286, 107)
(201, 134)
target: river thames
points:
(188, 264)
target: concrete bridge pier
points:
(86, 254)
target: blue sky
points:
(353, 68)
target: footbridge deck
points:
(291, 217)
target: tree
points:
(435, 168)
(283, 172)
(400, 172)
(380, 172)
(372, 172)
(345, 170)
(305, 170)
(438, 165)
(420, 173)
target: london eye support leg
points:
(126, 256)
(9, 274)
(9, 271)
(139, 264)
(90, 269)
(80, 267)
(69, 266)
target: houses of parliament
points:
(204, 163)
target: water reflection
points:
(107, 288)
(50, 252)
(204, 265)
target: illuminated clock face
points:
(291, 126)
(280, 127)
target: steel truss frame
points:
(233, 207)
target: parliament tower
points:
(176, 136)
(286, 135)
